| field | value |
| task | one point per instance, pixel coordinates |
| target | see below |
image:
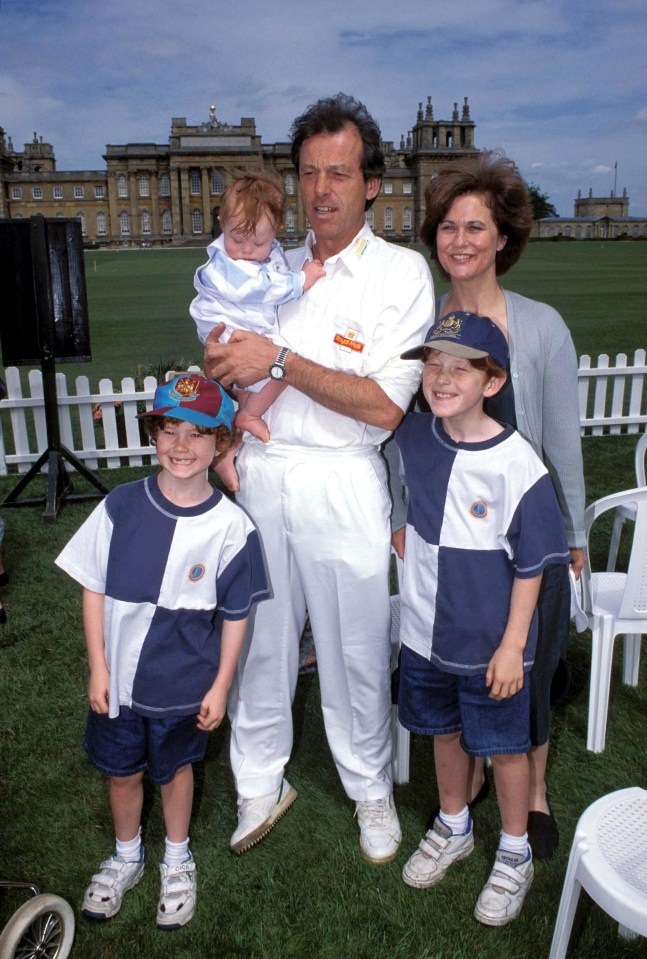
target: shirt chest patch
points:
(348, 342)
(196, 573)
(479, 509)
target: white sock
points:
(458, 823)
(176, 852)
(129, 851)
(514, 843)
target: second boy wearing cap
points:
(170, 570)
(483, 523)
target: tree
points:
(541, 205)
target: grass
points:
(305, 891)
(139, 301)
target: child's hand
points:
(98, 689)
(314, 271)
(212, 709)
(505, 673)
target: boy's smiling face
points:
(453, 387)
(182, 450)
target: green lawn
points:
(305, 892)
(139, 301)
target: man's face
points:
(333, 188)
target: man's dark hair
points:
(330, 115)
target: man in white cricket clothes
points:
(317, 490)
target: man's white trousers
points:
(324, 519)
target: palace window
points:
(122, 186)
(406, 218)
(144, 185)
(290, 220)
(101, 224)
(57, 192)
(388, 218)
(124, 223)
(165, 185)
(167, 222)
(78, 192)
(407, 188)
(217, 183)
(81, 217)
(388, 188)
(289, 184)
(146, 222)
(370, 218)
(37, 192)
(194, 180)
(196, 220)
(16, 193)
(98, 192)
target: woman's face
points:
(468, 240)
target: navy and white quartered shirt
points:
(480, 514)
(170, 576)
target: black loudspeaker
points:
(44, 318)
(43, 302)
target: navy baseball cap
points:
(194, 398)
(464, 334)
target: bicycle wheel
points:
(43, 928)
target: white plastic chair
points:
(400, 735)
(616, 605)
(609, 861)
(626, 512)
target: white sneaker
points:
(257, 816)
(379, 829)
(102, 899)
(177, 894)
(503, 894)
(438, 849)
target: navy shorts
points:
(131, 743)
(435, 703)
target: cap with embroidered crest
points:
(194, 398)
(464, 334)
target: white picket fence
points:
(102, 430)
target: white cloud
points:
(537, 74)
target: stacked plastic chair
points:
(626, 512)
(608, 860)
(616, 605)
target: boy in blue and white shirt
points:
(170, 570)
(241, 285)
(483, 523)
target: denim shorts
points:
(131, 743)
(435, 703)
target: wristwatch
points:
(277, 369)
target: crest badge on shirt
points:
(197, 572)
(479, 509)
(348, 342)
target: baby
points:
(243, 283)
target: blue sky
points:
(559, 85)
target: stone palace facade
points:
(152, 195)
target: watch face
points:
(277, 372)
